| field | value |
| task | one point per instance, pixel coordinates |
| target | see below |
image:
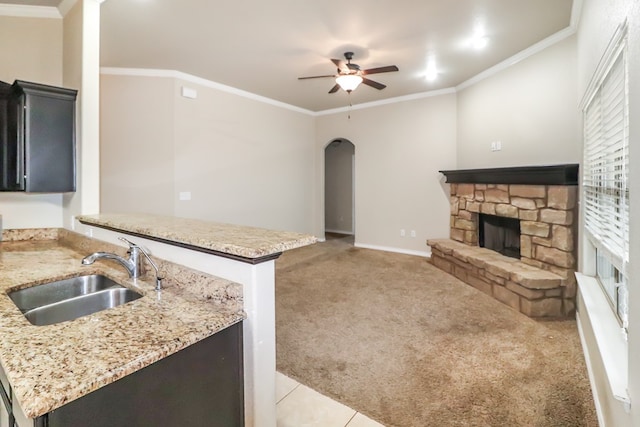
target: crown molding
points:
(29, 11)
(65, 6)
(147, 72)
(394, 100)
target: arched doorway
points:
(339, 178)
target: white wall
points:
(597, 26)
(338, 185)
(137, 149)
(35, 56)
(399, 149)
(59, 52)
(81, 70)
(634, 255)
(243, 161)
(530, 107)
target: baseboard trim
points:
(348, 233)
(425, 254)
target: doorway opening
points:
(339, 194)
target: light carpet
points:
(406, 344)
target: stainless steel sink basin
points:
(71, 298)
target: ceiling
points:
(50, 3)
(263, 46)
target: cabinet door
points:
(37, 138)
(199, 386)
(6, 419)
(49, 129)
(12, 152)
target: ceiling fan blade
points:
(316, 77)
(371, 83)
(342, 66)
(334, 89)
(378, 70)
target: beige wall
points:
(59, 52)
(136, 151)
(634, 255)
(81, 66)
(35, 56)
(338, 187)
(243, 161)
(530, 107)
(399, 149)
(597, 26)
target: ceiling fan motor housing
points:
(353, 71)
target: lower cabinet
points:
(6, 418)
(6, 414)
(201, 385)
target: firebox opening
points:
(500, 234)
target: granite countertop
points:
(237, 240)
(49, 366)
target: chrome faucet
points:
(133, 264)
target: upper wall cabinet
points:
(37, 138)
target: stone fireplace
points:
(542, 201)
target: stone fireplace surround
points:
(543, 198)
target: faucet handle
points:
(128, 242)
(140, 249)
(155, 267)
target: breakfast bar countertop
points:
(250, 244)
(49, 366)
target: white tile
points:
(284, 386)
(304, 407)
(363, 421)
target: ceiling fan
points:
(350, 75)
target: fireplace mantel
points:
(566, 174)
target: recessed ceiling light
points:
(432, 70)
(479, 39)
(479, 42)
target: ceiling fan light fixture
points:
(349, 82)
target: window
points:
(605, 171)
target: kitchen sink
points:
(71, 298)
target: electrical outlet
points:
(413, 233)
(496, 145)
(185, 195)
(402, 232)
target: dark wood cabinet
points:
(201, 385)
(37, 138)
(6, 413)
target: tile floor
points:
(300, 406)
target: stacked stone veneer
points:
(541, 283)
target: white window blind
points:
(605, 174)
(606, 165)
